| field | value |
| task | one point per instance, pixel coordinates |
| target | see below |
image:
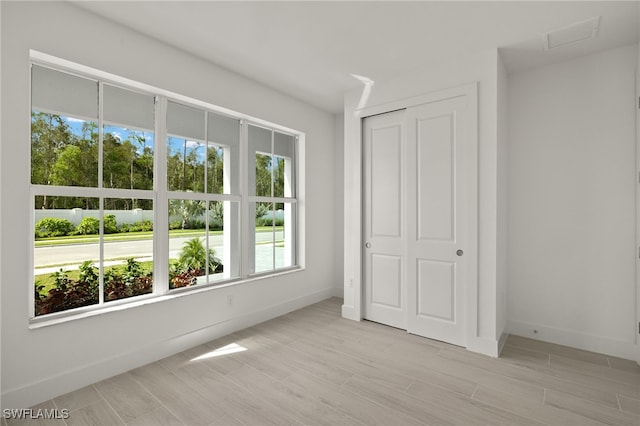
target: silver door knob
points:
(459, 252)
(367, 245)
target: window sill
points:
(88, 312)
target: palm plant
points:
(193, 257)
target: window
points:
(272, 202)
(92, 175)
(204, 196)
(109, 161)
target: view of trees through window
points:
(95, 194)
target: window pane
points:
(224, 240)
(186, 150)
(263, 175)
(66, 253)
(187, 247)
(263, 244)
(215, 169)
(273, 245)
(285, 234)
(283, 167)
(224, 134)
(127, 158)
(64, 150)
(271, 163)
(64, 135)
(128, 248)
(185, 164)
(128, 139)
(260, 161)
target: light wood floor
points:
(312, 367)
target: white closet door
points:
(437, 205)
(384, 221)
(418, 206)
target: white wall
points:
(338, 227)
(38, 364)
(638, 202)
(502, 205)
(571, 202)
(481, 68)
(1, 286)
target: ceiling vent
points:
(571, 34)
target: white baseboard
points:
(484, 346)
(501, 342)
(349, 312)
(68, 381)
(575, 339)
(338, 292)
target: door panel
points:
(386, 280)
(436, 207)
(436, 290)
(384, 261)
(436, 193)
(386, 155)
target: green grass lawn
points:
(128, 236)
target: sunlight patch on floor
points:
(225, 350)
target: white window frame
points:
(290, 221)
(160, 196)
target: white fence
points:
(75, 215)
(122, 216)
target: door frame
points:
(354, 243)
(637, 195)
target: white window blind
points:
(127, 108)
(185, 122)
(62, 93)
(225, 131)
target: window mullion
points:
(206, 200)
(244, 203)
(101, 283)
(161, 201)
(273, 205)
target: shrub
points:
(268, 221)
(110, 224)
(132, 281)
(88, 225)
(261, 210)
(68, 293)
(53, 227)
(197, 224)
(89, 273)
(144, 225)
(176, 224)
